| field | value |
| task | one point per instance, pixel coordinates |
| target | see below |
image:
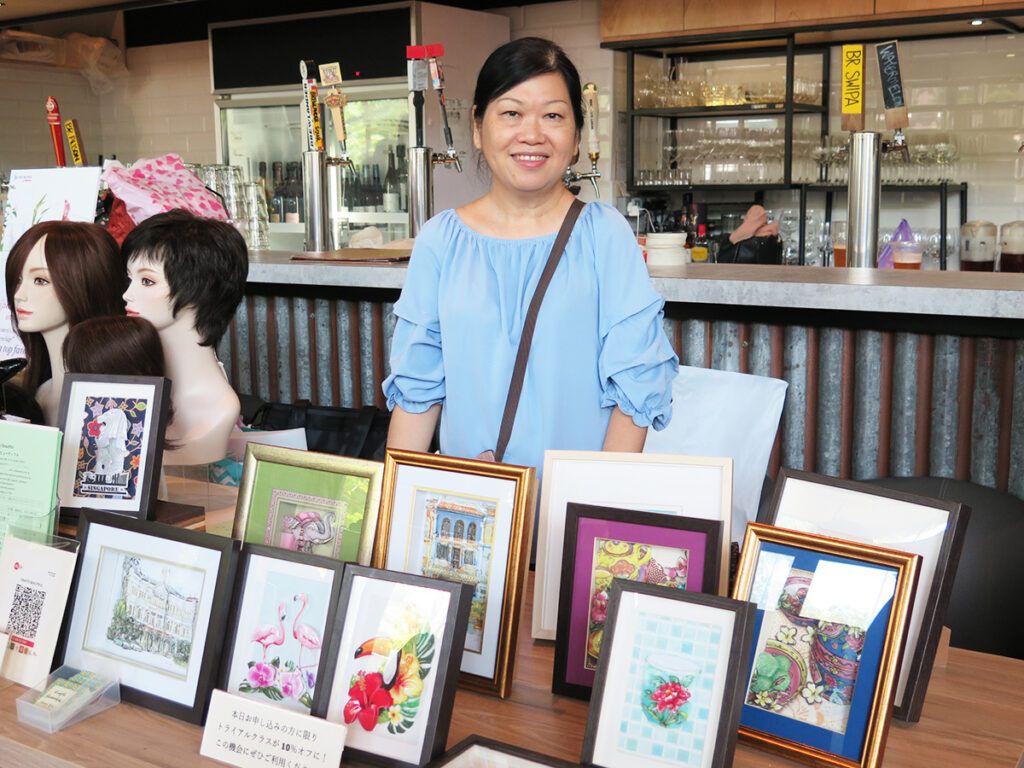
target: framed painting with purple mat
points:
(604, 544)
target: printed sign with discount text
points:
(251, 734)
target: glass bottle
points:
(392, 189)
(699, 253)
(277, 197)
(378, 189)
(291, 195)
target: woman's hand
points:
(623, 435)
(413, 431)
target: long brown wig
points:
(88, 274)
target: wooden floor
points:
(973, 718)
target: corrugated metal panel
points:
(867, 403)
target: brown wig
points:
(88, 274)
(116, 345)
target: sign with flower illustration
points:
(603, 545)
(666, 692)
(822, 670)
(390, 676)
(283, 613)
(113, 440)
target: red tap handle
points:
(53, 118)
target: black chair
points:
(985, 610)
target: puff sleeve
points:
(417, 380)
(636, 363)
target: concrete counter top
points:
(955, 294)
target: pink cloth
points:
(755, 224)
(160, 184)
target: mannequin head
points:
(60, 273)
(186, 269)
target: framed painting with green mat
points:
(308, 502)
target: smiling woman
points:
(600, 367)
(59, 273)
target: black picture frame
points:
(446, 663)
(497, 746)
(934, 604)
(735, 683)
(711, 529)
(227, 551)
(249, 551)
(149, 482)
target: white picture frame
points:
(691, 486)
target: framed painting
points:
(604, 544)
(113, 443)
(392, 667)
(667, 484)
(313, 503)
(932, 528)
(828, 634)
(669, 689)
(281, 619)
(467, 521)
(480, 752)
(149, 607)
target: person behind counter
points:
(600, 368)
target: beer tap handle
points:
(450, 157)
(896, 115)
(335, 100)
(593, 143)
(53, 118)
(311, 107)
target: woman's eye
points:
(40, 281)
(147, 282)
(554, 115)
(510, 113)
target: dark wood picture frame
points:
(215, 634)
(735, 683)
(149, 480)
(249, 551)
(507, 749)
(934, 604)
(574, 512)
(446, 666)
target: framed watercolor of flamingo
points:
(282, 612)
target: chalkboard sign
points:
(368, 44)
(889, 69)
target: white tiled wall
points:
(573, 24)
(164, 105)
(24, 135)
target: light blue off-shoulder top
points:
(599, 340)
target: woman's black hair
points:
(205, 262)
(519, 61)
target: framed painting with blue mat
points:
(830, 623)
(669, 682)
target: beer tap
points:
(450, 156)
(571, 177)
(335, 100)
(896, 116)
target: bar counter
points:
(890, 373)
(948, 294)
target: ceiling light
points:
(977, 22)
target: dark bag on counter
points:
(753, 250)
(357, 432)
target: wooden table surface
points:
(973, 716)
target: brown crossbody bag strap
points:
(515, 387)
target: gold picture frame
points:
(424, 492)
(282, 481)
(838, 644)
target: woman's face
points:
(35, 300)
(528, 134)
(148, 295)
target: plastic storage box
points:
(66, 696)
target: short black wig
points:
(519, 61)
(205, 261)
